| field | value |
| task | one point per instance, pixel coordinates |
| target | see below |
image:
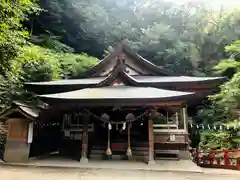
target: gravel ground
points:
(30, 173)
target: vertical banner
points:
(30, 132)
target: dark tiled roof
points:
(117, 92)
(22, 108)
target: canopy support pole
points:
(185, 120)
(84, 158)
(129, 151)
(150, 143)
(108, 151)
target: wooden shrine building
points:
(125, 107)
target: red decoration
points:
(116, 147)
(119, 146)
(222, 157)
(226, 158)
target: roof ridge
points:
(118, 72)
(124, 47)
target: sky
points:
(213, 3)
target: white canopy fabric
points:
(118, 92)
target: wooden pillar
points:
(184, 153)
(185, 119)
(84, 158)
(150, 143)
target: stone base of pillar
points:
(129, 153)
(151, 162)
(151, 159)
(108, 152)
(83, 160)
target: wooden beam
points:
(150, 143)
(185, 120)
(84, 158)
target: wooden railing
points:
(226, 159)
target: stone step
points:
(166, 151)
(118, 157)
(102, 152)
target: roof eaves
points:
(30, 112)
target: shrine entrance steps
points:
(139, 152)
(167, 154)
(119, 150)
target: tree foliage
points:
(188, 39)
(12, 33)
(36, 63)
(225, 106)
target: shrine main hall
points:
(124, 108)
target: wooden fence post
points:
(211, 157)
(226, 158)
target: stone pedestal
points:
(151, 158)
(17, 147)
(16, 151)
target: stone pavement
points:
(31, 173)
(161, 165)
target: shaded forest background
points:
(58, 39)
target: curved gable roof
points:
(139, 60)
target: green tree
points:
(188, 39)
(40, 64)
(73, 65)
(225, 105)
(12, 34)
